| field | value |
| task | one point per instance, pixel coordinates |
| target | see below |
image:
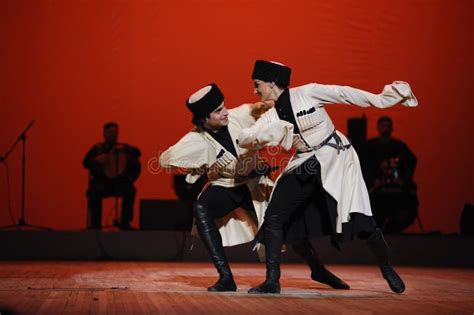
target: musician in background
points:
(389, 175)
(390, 161)
(113, 168)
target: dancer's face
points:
(264, 90)
(218, 118)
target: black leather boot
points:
(379, 248)
(212, 240)
(319, 272)
(273, 243)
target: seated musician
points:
(389, 175)
(113, 168)
(390, 161)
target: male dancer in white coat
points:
(322, 190)
(237, 177)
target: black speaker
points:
(357, 131)
(466, 225)
(156, 214)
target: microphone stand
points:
(22, 221)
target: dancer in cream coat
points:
(231, 207)
(322, 190)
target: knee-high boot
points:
(273, 243)
(319, 272)
(212, 240)
(379, 248)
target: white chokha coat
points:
(199, 153)
(341, 173)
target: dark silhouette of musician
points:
(113, 169)
(389, 175)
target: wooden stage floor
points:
(94, 287)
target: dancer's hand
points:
(259, 108)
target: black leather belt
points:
(339, 146)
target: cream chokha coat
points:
(341, 173)
(199, 153)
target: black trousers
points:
(293, 192)
(99, 189)
(303, 209)
(219, 201)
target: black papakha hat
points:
(205, 101)
(270, 71)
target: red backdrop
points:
(72, 65)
